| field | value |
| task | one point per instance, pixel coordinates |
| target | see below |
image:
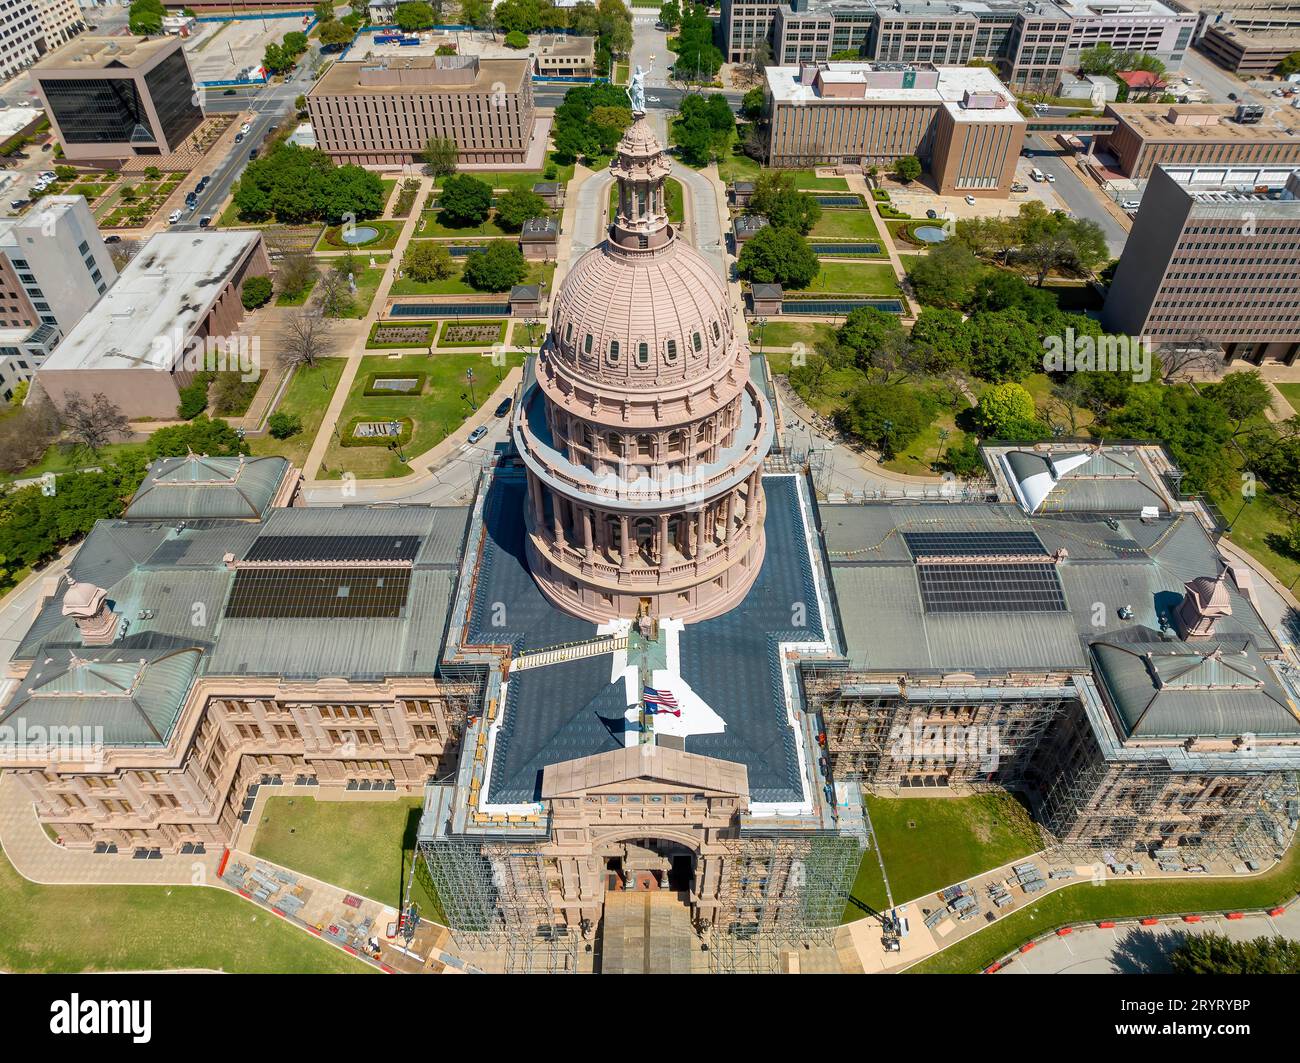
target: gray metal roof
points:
(238, 488)
(1103, 569)
(112, 696)
(1172, 689)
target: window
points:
(613, 351)
(586, 344)
(672, 350)
(717, 332)
(643, 352)
(568, 332)
(696, 342)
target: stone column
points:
(539, 511)
(625, 553)
(731, 514)
(557, 522)
(700, 529)
(662, 538)
(587, 538)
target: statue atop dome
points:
(636, 91)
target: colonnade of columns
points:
(600, 449)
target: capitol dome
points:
(642, 434)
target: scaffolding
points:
(780, 891)
(893, 733)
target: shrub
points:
(515, 39)
(256, 292)
(284, 425)
(497, 268)
(194, 397)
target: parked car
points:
(174, 217)
(931, 213)
(1051, 178)
(48, 175)
(1019, 187)
(18, 204)
(112, 238)
(504, 408)
(252, 154)
(970, 201)
(47, 147)
(477, 434)
(245, 128)
(205, 221)
(239, 137)
(1130, 204)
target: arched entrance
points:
(640, 864)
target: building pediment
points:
(646, 768)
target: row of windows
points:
(614, 351)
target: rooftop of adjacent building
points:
(565, 44)
(1271, 40)
(165, 292)
(1204, 121)
(390, 75)
(106, 53)
(968, 93)
(1270, 191)
(39, 215)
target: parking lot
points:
(223, 51)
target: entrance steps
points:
(646, 932)
(572, 651)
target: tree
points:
(334, 34)
(255, 292)
(1004, 346)
(670, 15)
(517, 206)
(1290, 65)
(202, 435)
(1190, 425)
(28, 431)
(283, 425)
(698, 59)
(497, 268)
(884, 417)
(907, 169)
(414, 15)
(92, 425)
(946, 276)
(779, 256)
(1216, 953)
(293, 184)
(440, 155)
(465, 201)
(427, 260)
(753, 104)
(1193, 356)
(516, 39)
(1243, 396)
(305, 340)
(145, 17)
(760, 56)
(778, 199)
(943, 330)
(865, 334)
(297, 273)
(335, 298)
(476, 13)
(323, 10)
(1006, 411)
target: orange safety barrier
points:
(1107, 924)
(221, 867)
(1277, 911)
(1150, 921)
(1236, 915)
(1027, 946)
(1191, 919)
(993, 968)
(1064, 930)
(278, 912)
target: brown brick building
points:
(1149, 134)
(384, 113)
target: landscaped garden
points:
(472, 333)
(447, 399)
(306, 399)
(385, 234)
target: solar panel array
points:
(973, 543)
(334, 548)
(1028, 587)
(319, 593)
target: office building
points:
(111, 98)
(560, 55)
(383, 113)
(60, 20)
(177, 299)
(1213, 257)
(1150, 134)
(961, 122)
(22, 40)
(53, 269)
(1250, 54)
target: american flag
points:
(651, 696)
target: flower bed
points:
(349, 438)
(407, 334)
(478, 334)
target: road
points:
(1080, 198)
(1140, 949)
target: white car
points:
(48, 175)
(1130, 204)
(245, 128)
(174, 217)
(970, 201)
(1051, 179)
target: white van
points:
(1036, 174)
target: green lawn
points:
(672, 198)
(932, 842)
(788, 333)
(538, 273)
(917, 457)
(285, 299)
(307, 395)
(845, 224)
(431, 224)
(1291, 392)
(134, 928)
(365, 847)
(807, 181)
(1260, 530)
(856, 278)
(738, 168)
(437, 412)
(1127, 899)
(504, 180)
(58, 459)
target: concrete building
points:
(53, 269)
(22, 40)
(60, 20)
(1250, 54)
(111, 98)
(173, 312)
(1032, 42)
(1147, 135)
(1213, 257)
(1253, 16)
(383, 113)
(961, 122)
(560, 55)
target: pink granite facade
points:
(644, 437)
